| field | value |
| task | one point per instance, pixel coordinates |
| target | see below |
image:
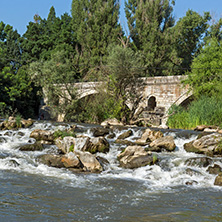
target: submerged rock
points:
(199, 161)
(134, 157)
(215, 169)
(37, 146)
(124, 135)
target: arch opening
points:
(151, 105)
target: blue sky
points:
(18, 13)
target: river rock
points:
(166, 143)
(124, 135)
(27, 123)
(191, 182)
(70, 160)
(66, 144)
(42, 135)
(112, 122)
(199, 161)
(218, 180)
(111, 136)
(134, 157)
(207, 144)
(51, 160)
(192, 172)
(215, 169)
(99, 131)
(103, 161)
(89, 161)
(149, 136)
(97, 144)
(125, 142)
(37, 146)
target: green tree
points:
(206, 77)
(44, 35)
(150, 24)
(124, 67)
(189, 33)
(95, 24)
(56, 76)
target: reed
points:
(204, 111)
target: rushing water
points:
(30, 191)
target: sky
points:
(18, 13)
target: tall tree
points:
(95, 24)
(206, 77)
(44, 35)
(189, 33)
(150, 23)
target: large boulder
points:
(149, 136)
(208, 144)
(167, 143)
(89, 161)
(218, 180)
(44, 136)
(97, 144)
(99, 131)
(51, 160)
(134, 157)
(70, 160)
(66, 144)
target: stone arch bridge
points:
(157, 94)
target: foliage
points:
(190, 31)
(71, 148)
(57, 76)
(204, 111)
(95, 25)
(150, 24)
(206, 76)
(124, 67)
(18, 119)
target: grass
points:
(204, 111)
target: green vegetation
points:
(90, 44)
(71, 148)
(204, 111)
(18, 119)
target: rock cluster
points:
(12, 123)
(210, 145)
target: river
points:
(30, 191)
